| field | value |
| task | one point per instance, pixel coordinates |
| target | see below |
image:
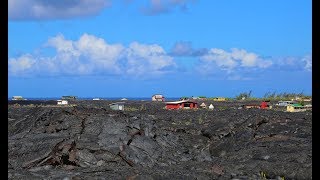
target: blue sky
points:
(131, 48)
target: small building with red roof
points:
(184, 104)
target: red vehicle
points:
(264, 105)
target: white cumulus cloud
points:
(150, 58)
(99, 51)
(21, 64)
(308, 62)
(84, 56)
(235, 58)
(93, 55)
(236, 64)
(292, 63)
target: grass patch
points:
(131, 109)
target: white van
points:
(285, 103)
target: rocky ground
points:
(91, 141)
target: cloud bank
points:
(54, 9)
(22, 10)
(91, 55)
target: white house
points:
(211, 106)
(18, 98)
(203, 105)
(62, 102)
(157, 97)
(117, 106)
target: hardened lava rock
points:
(145, 141)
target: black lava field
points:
(146, 141)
